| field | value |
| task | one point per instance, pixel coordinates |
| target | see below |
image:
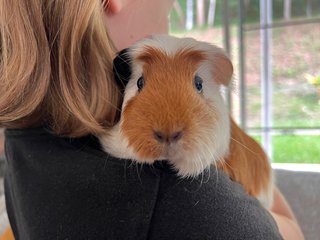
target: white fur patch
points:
(266, 195)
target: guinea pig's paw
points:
(265, 196)
(190, 168)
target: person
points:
(57, 93)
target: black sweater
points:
(60, 188)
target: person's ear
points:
(113, 6)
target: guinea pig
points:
(173, 110)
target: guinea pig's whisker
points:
(202, 172)
(222, 162)
(227, 164)
(132, 163)
(196, 161)
(215, 160)
(139, 171)
(241, 144)
(202, 177)
(211, 155)
(216, 175)
(216, 168)
(209, 172)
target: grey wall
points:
(302, 191)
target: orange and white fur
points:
(173, 110)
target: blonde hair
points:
(56, 66)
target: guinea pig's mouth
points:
(170, 152)
(185, 163)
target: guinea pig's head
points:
(172, 107)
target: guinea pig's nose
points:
(169, 137)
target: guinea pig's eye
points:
(198, 83)
(140, 83)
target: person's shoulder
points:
(43, 141)
(44, 134)
(210, 206)
(43, 146)
(27, 132)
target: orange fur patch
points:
(164, 102)
(222, 68)
(7, 235)
(247, 163)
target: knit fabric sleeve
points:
(60, 188)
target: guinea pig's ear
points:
(222, 67)
(122, 68)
